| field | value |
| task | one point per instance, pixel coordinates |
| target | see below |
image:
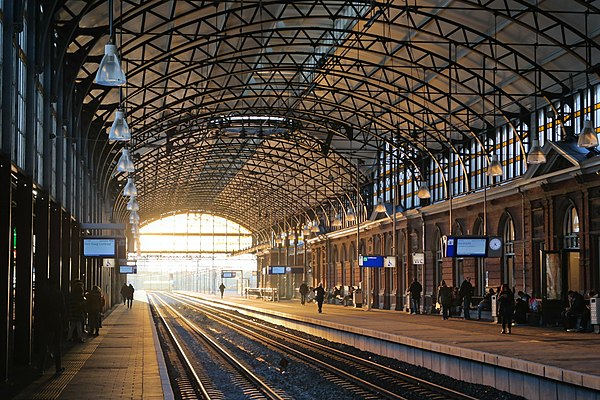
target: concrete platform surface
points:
(569, 357)
(121, 363)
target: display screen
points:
(277, 270)
(128, 269)
(99, 247)
(372, 261)
(227, 274)
(466, 246)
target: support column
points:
(65, 244)
(75, 248)
(23, 272)
(54, 250)
(5, 259)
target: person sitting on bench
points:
(573, 313)
(485, 304)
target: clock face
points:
(495, 244)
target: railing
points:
(267, 294)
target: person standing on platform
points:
(320, 296)
(124, 291)
(506, 304)
(76, 311)
(415, 290)
(51, 311)
(222, 289)
(466, 292)
(445, 299)
(95, 303)
(130, 291)
(303, 289)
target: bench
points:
(268, 294)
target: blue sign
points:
(277, 270)
(227, 274)
(371, 261)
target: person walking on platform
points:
(51, 311)
(303, 289)
(124, 291)
(445, 299)
(466, 292)
(320, 296)
(130, 291)
(76, 311)
(222, 289)
(506, 303)
(95, 303)
(415, 290)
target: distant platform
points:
(534, 362)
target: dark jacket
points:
(94, 302)
(445, 295)
(506, 302)
(303, 288)
(319, 293)
(466, 289)
(50, 308)
(415, 290)
(76, 306)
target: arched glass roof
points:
(257, 110)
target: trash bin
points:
(357, 298)
(595, 313)
(495, 308)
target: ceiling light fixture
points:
(125, 164)
(130, 189)
(119, 131)
(495, 167)
(380, 207)
(588, 137)
(109, 71)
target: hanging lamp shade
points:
(134, 218)
(109, 71)
(423, 192)
(380, 207)
(536, 154)
(125, 164)
(315, 227)
(291, 236)
(495, 168)
(337, 221)
(588, 136)
(350, 216)
(130, 189)
(132, 204)
(119, 131)
(306, 230)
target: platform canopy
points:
(259, 110)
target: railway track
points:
(361, 376)
(191, 375)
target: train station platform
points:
(123, 362)
(534, 362)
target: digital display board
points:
(371, 261)
(277, 270)
(99, 247)
(128, 269)
(466, 246)
(227, 274)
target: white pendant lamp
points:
(134, 218)
(588, 136)
(132, 204)
(125, 164)
(337, 221)
(495, 168)
(350, 216)
(423, 192)
(119, 131)
(130, 189)
(536, 154)
(109, 71)
(380, 207)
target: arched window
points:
(571, 229)
(508, 260)
(574, 272)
